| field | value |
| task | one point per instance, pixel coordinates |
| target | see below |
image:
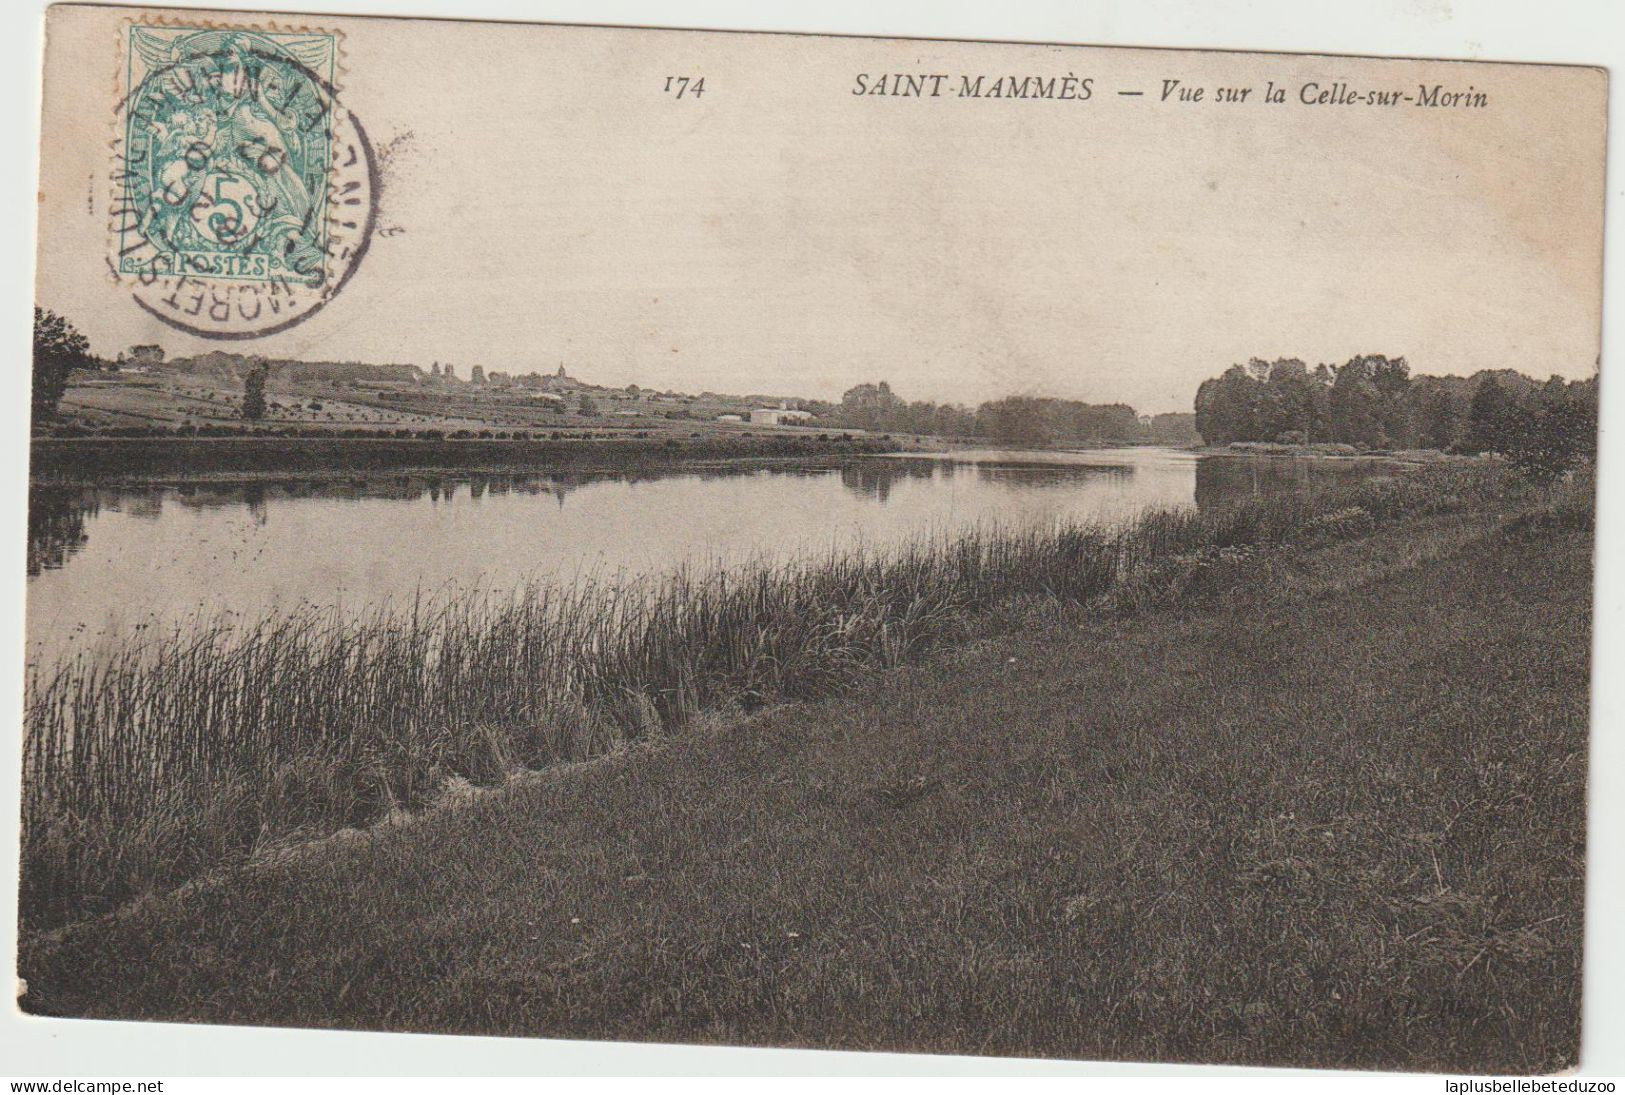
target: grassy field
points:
(1324, 807)
(167, 399)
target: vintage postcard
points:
(778, 540)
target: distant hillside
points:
(228, 366)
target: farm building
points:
(778, 416)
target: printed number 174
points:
(685, 85)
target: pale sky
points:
(783, 235)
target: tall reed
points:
(161, 757)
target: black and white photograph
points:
(979, 549)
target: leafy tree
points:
(1017, 420)
(59, 348)
(1392, 379)
(253, 408)
(1262, 400)
(1441, 422)
(1356, 405)
(1555, 429)
(588, 406)
(1228, 407)
(1175, 428)
(1294, 403)
(1490, 417)
(869, 406)
(1369, 403)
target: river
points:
(108, 561)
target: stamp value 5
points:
(243, 185)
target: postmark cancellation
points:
(243, 189)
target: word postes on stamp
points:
(245, 193)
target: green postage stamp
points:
(244, 187)
(230, 131)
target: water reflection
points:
(1223, 479)
(57, 514)
(104, 559)
(56, 525)
(875, 478)
(1042, 476)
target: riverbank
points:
(1326, 807)
(1329, 451)
(154, 756)
(98, 460)
(160, 754)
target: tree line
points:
(1013, 420)
(1373, 402)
